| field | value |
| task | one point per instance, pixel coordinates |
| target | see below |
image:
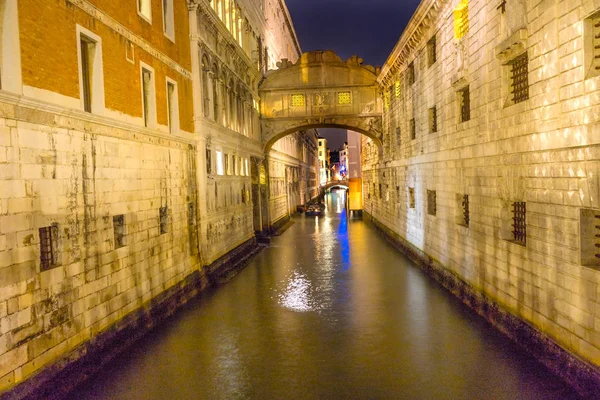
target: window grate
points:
(432, 51)
(119, 230)
(411, 197)
(344, 98)
(519, 222)
(431, 202)
(433, 127)
(298, 100)
(465, 104)
(413, 129)
(48, 247)
(164, 220)
(520, 78)
(465, 210)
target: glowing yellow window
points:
(461, 19)
(298, 100)
(397, 89)
(344, 98)
(386, 98)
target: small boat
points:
(313, 211)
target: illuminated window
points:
(519, 79)
(431, 202)
(433, 127)
(386, 98)
(344, 98)
(298, 100)
(145, 9)
(464, 99)
(397, 89)
(461, 19)
(432, 51)
(220, 164)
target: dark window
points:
(411, 73)
(380, 190)
(86, 73)
(519, 77)
(465, 104)
(519, 222)
(398, 136)
(413, 129)
(433, 120)
(411, 197)
(164, 220)
(119, 230)
(208, 161)
(48, 247)
(432, 51)
(466, 218)
(431, 202)
(191, 214)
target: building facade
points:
(490, 158)
(130, 159)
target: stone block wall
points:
(543, 151)
(77, 175)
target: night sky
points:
(369, 29)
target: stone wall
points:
(541, 150)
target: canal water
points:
(329, 311)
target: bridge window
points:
(344, 98)
(464, 101)
(589, 233)
(432, 51)
(519, 79)
(298, 100)
(519, 214)
(433, 125)
(413, 129)
(163, 214)
(431, 202)
(49, 252)
(461, 19)
(119, 230)
(411, 197)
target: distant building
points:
(344, 160)
(323, 161)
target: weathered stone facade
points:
(490, 162)
(123, 179)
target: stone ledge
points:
(83, 362)
(580, 374)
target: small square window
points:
(431, 202)
(164, 220)
(119, 230)
(49, 253)
(344, 98)
(411, 197)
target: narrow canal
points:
(329, 311)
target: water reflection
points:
(330, 311)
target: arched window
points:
(206, 92)
(215, 92)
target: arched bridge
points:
(333, 184)
(318, 91)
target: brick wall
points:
(543, 151)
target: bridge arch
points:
(320, 91)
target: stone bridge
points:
(321, 91)
(333, 184)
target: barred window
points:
(592, 45)
(411, 197)
(49, 247)
(411, 73)
(344, 98)
(461, 19)
(298, 100)
(164, 220)
(464, 98)
(519, 222)
(519, 78)
(432, 51)
(413, 129)
(466, 217)
(119, 230)
(589, 234)
(431, 202)
(433, 127)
